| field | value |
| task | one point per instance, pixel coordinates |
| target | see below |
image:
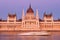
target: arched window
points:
(11, 26)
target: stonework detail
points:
(29, 22)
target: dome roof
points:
(30, 10)
(12, 15)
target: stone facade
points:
(29, 22)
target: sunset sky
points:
(16, 6)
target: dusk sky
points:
(16, 6)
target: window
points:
(48, 20)
(11, 20)
(11, 26)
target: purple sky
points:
(16, 6)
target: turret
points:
(11, 18)
(48, 17)
(23, 14)
(37, 15)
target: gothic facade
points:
(29, 22)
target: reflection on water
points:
(55, 36)
(15, 37)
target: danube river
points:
(53, 36)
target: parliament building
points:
(30, 22)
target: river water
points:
(54, 36)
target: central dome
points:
(30, 10)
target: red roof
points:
(11, 15)
(30, 10)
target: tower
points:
(37, 18)
(37, 15)
(48, 17)
(29, 21)
(11, 18)
(29, 14)
(23, 23)
(23, 14)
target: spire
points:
(23, 14)
(30, 6)
(37, 15)
(30, 10)
(44, 13)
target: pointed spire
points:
(37, 15)
(44, 13)
(30, 10)
(51, 14)
(23, 14)
(30, 6)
